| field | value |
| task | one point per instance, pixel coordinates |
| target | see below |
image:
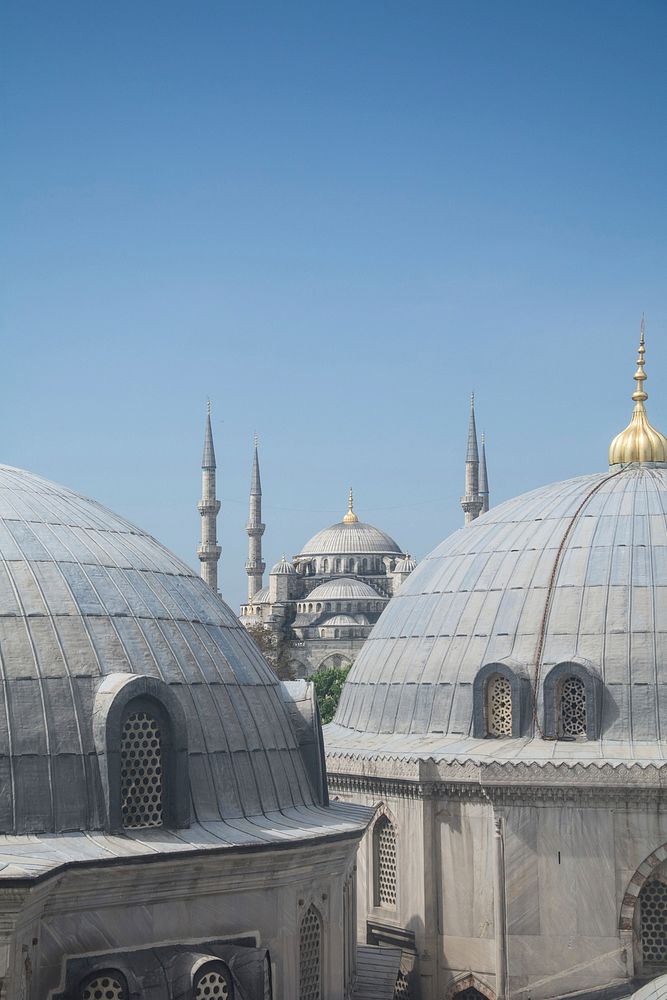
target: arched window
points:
(653, 923)
(572, 701)
(338, 565)
(325, 565)
(141, 771)
(572, 707)
(498, 706)
(384, 862)
(105, 986)
(310, 955)
(214, 983)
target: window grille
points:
(573, 707)
(384, 837)
(310, 957)
(105, 987)
(214, 985)
(469, 994)
(141, 772)
(653, 913)
(402, 987)
(499, 706)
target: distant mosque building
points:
(320, 606)
(508, 717)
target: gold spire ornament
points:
(350, 517)
(639, 442)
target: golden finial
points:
(350, 517)
(639, 442)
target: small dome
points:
(283, 568)
(340, 620)
(405, 565)
(343, 589)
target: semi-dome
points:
(344, 589)
(92, 611)
(571, 574)
(341, 620)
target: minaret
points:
(483, 478)
(255, 566)
(209, 550)
(471, 501)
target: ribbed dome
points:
(283, 568)
(405, 565)
(586, 557)
(341, 620)
(350, 539)
(84, 595)
(344, 589)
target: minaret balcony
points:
(255, 530)
(208, 552)
(208, 507)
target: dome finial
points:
(639, 442)
(350, 517)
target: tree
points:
(273, 647)
(328, 687)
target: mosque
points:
(166, 829)
(508, 717)
(322, 604)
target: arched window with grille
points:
(384, 863)
(213, 982)
(653, 923)
(498, 706)
(141, 769)
(572, 707)
(310, 955)
(572, 702)
(107, 985)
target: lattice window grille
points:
(141, 772)
(385, 861)
(310, 956)
(573, 707)
(402, 987)
(103, 988)
(499, 706)
(653, 913)
(213, 985)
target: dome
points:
(572, 573)
(344, 589)
(283, 568)
(91, 606)
(352, 538)
(405, 565)
(340, 620)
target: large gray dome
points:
(350, 539)
(85, 595)
(577, 569)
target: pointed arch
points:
(310, 955)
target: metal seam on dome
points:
(550, 593)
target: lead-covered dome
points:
(352, 538)
(89, 607)
(569, 579)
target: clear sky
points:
(336, 220)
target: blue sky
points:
(336, 220)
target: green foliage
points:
(328, 686)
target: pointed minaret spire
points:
(255, 566)
(483, 477)
(471, 501)
(639, 442)
(209, 507)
